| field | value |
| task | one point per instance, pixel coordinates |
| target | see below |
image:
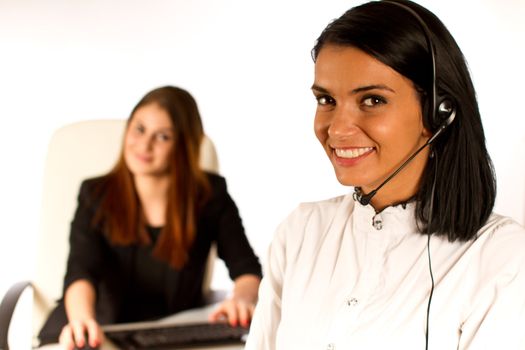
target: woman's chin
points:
(346, 180)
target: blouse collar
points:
(400, 217)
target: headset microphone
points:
(366, 198)
(447, 112)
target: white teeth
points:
(352, 153)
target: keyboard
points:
(178, 336)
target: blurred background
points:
(248, 65)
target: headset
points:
(442, 114)
(442, 108)
(445, 113)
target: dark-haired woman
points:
(413, 261)
(141, 234)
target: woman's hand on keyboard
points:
(238, 309)
(237, 312)
(82, 331)
(81, 334)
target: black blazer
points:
(131, 284)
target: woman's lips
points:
(351, 155)
(352, 152)
(143, 158)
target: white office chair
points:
(77, 151)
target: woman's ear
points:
(426, 133)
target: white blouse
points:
(338, 276)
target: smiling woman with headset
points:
(414, 258)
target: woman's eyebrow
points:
(372, 87)
(167, 128)
(319, 88)
(357, 90)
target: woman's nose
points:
(145, 143)
(344, 122)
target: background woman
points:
(408, 261)
(141, 234)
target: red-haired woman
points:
(141, 234)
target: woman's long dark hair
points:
(465, 189)
(120, 210)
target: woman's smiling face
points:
(149, 141)
(369, 121)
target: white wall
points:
(248, 65)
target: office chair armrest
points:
(7, 307)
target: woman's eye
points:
(371, 101)
(163, 137)
(140, 129)
(325, 100)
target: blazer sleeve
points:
(86, 242)
(232, 244)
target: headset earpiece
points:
(446, 113)
(444, 116)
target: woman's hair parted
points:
(120, 210)
(465, 189)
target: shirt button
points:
(377, 222)
(330, 346)
(352, 302)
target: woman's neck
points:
(403, 186)
(153, 196)
(390, 196)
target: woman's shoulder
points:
(216, 180)
(217, 195)
(92, 189)
(501, 240)
(316, 216)
(501, 227)
(93, 182)
(325, 209)
(218, 187)
(310, 225)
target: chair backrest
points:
(78, 151)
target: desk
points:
(188, 316)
